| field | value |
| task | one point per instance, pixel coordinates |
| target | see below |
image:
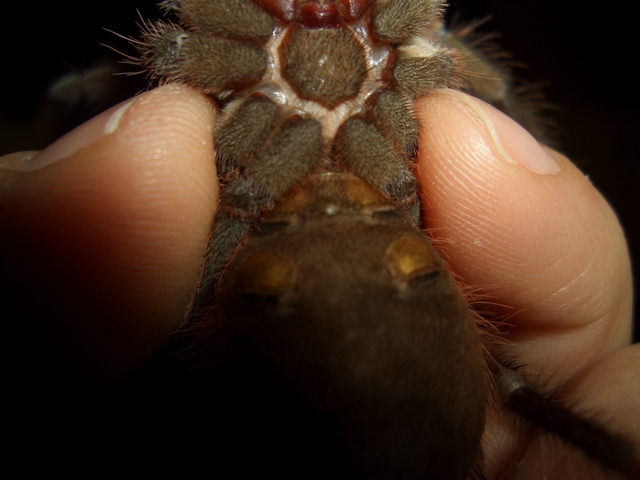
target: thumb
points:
(525, 228)
(103, 236)
(527, 231)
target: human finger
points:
(526, 228)
(532, 237)
(104, 236)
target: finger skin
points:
(607, 392)
(539, 244)
(547, 247)
(102, 248)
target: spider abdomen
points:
(326, 380)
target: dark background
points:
(585, 55)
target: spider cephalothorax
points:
(307, 84)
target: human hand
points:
(104, 235)
(546, 257)
(108, 243)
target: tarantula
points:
(319, 215)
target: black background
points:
(585, 54)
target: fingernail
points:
(510, 141)
(82, 137)
(14, 161)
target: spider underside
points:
(325, 326)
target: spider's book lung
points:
(328, 339)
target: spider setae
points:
(318, 217)
(327, 338)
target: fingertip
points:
(524, 226)
(106, 231)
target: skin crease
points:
(545, 248)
